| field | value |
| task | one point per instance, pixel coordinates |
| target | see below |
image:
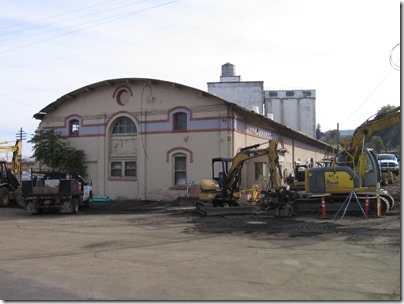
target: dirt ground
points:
(144, 250)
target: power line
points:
(18, 101)
(108, 20)
(367, 98)
(61, 21)
(52, 16)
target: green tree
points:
(52, 150)
(376, 143)
(391, 137)
(319, 134)
(331, 137)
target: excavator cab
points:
(220, 169)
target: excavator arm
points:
(371, 126)
(17, 155)
(251, 152)
(357, 148)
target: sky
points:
(346, 50)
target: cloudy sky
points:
(346, 50)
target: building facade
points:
(293, 108)
(150, 139)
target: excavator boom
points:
(371, 126)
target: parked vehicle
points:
(389, 163)
(57, 191)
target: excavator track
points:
(209, 209)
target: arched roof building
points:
(148, 138)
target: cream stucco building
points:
(149, 139)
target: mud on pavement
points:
(261, 225)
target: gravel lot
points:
(166, 251)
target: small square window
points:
(180, 121)
(116, 169)
(290, 93)
(130, 168)
(74, 127)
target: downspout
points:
(106, 155)
(230, 127)
(145, 160)
(293, 154)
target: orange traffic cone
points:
(323, 209)
(367, 205)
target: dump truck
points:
(54, 191)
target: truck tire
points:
(75, 205)
(18, 198)
(4, 197)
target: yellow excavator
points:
(222, 194)
(355, 168)
(9, 184)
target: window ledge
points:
(178, 188)
(123, 179)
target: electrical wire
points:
(62, 21)
(367, 98)
(108, 20)
(20, 102)
(48, 17)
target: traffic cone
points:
(367, 205)
(323, 209)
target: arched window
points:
(123, 149)
(74, 127)
(124, 125)
(180, 121)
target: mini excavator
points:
(221, 194)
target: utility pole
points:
(21, 135)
